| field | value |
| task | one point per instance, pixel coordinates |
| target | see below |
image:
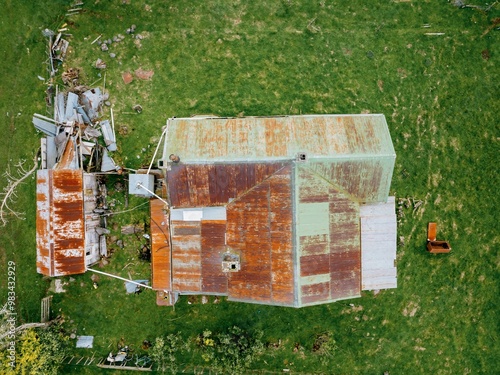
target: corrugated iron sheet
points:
(378, 245)
(328, 245)
(69, 159)
(364, 179)
(214, 184)
(213, 246)
(270, 138)
(259, 228)
(186, 256)
(160, 247)
(60, 222)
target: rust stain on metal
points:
(361, 179)
(259, 228)
(60, 222)
(345, 248)
(315, 293)
(160, 248)
(68, 156)
(214, 184)
(186, 256)
(330, 262)
(213, 234)
(271, 137)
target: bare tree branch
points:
(9, 192)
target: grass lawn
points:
(439, 93)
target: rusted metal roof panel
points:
(186, 256)
(43, 227)
(345, 247)
(364, 179)
(329, 256)
(160, 245)
(204, 185)
(68, 158)
(60, 222)
(213, 245)
(271, 138)
(259, 229)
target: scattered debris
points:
(132, 229)
(137, 108)
(411, 309)
(59, 48)
(59, 286)
(133, 287)
(85, 342)
(91, 100)
(401, 240)
(96, 39)
(100, 64)
(70, 77)
(127, 77)
(108, 133)
(144, 74)
(123, 130)
(131, 29)
(408, 202)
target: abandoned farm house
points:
(290, 211)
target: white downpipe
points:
(121, 278)
(157, 147)
(140, 185)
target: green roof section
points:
(209, 139)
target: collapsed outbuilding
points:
(70, 230)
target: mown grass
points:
(440, 98)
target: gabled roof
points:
(209, 140)
(354, 152)
(291, 189)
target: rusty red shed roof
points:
(60, 227)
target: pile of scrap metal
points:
(71, 198)
(76, 118)
(58, 48)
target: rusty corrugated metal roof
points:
(186, 256)
(291, 187)
(160, 245)
(60, 227)
(200, 185)
(270, 138)
(327, 223)
(213, 245)
(259, 228)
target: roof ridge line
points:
(341, 190)
(255, 186)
